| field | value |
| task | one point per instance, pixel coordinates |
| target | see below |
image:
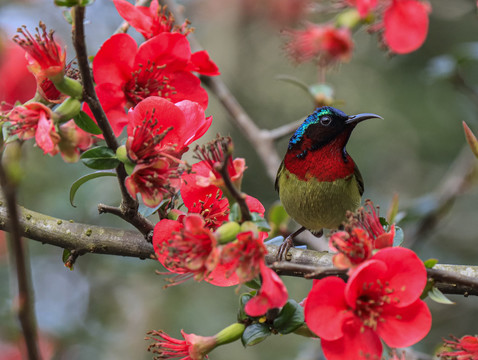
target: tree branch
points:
(83, 238)
(25, 300)
(129, 206)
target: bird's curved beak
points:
(355, 119)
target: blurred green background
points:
(103, 308)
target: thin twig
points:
(233, 191)
(25, 300)
(284, 130)
(129, 206)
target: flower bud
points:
(68, 109)
(249, 226)
(227, 232)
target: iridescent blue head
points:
(325, 124)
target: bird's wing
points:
(359, 178)
(279, 171)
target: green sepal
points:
(254, 334)
(100, 158)
(430, 263)
(86, 123)
(290, 318)
(76, 185)
(398, 238)
(436, 295)
(243, 299)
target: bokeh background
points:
(103, 308)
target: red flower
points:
(153, 181)
(406, 25)
(353, 247)
(193, 347)
(381, 300)
(363, 233)
(244, 255)
(125, 74)
(158, 133)
(273, 293)
(465, 348)
(45, 57)
(188, 249)
(35, 120)
(213, 155)
(73, 141)
(151, 20)
(323, 43)
(18, 84)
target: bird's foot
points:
(283, 251)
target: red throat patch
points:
(325, 164)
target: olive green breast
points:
(316, 205)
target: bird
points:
(318, 181)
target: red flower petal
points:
(138, 17)
(165, 112)
(255, 205)
(188, 88)
(203, 64)
(273, 293)
(405, 273)
(406, 25)
(163, 231)
(197, 123)
(42, 135)
(114, 61)
(406, 326)
(166, 48)
(326, 309)
(358, 343)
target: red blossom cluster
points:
(402, 25)
(362, 235)
(203, 244)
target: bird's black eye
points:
(325, 120)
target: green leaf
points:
(398, 239)
(100, 158)
(437, 296)
(254, 334)
(430, 263)
(290, 318)
(76, 185)
(86, 123)
(260, 222)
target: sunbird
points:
(318, 181)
